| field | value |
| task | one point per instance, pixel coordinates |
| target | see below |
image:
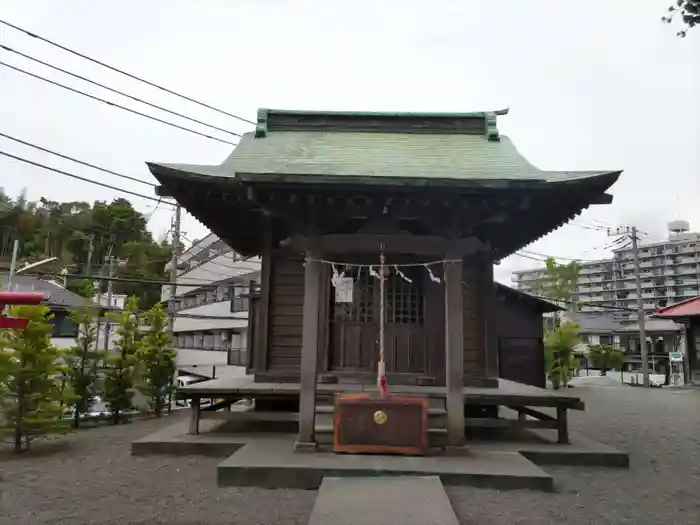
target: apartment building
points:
(211, 305)
(670, 272)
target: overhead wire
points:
(114, 104)
(136, 99)
(200, 285)
(78, 177)
(122, 72)
(77, 161)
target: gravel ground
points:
(91, 478)
(95, 480)
(659, 428)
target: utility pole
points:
(111, 261)
(88, 262)
(173, 290)
(173, 269)
(13, 264)
(640, 309)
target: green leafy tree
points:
(559, 345)
(559, 282)
(156, 359)
(31, 375)
(689, 12)
(121, 361)
(605, 357)
(65, 229)
(83, 361)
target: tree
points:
(688, 10)
(83, 361)
(559, 347)
(559, 282)
(65, 229)
(121, 362)
(157, 359)
(30, 372)
(605, 357)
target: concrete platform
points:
(218, 440)
(272, 463)
(382, 501)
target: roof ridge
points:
(474, 123)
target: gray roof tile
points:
(56, 295)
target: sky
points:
(590, 85)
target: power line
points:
(78, 177)
(114, 104)
(105, 170)
(156, 106)
(127, 279)
(117, 70)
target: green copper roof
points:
(403, 148)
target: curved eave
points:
(203, 191)
(566, 202)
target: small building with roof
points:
(687, 313)
(663, 336)
(378, 233)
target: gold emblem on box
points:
(380, 417)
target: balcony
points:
(236, 294)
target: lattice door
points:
(355, 326)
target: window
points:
(606, 340)
(63, 325)
(239, 299)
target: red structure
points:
(688, 313)
(17, 298)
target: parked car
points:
(186, 381)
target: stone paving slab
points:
(272, 463)
(382, 501)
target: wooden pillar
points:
(454, 350)
(488, 306)
(309, 354)
(194, 415)
(562, 426)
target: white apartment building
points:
(670, 272)
(211, 305)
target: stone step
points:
(272, 463)
(382, 501)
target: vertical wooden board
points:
(263, 313)
(435, 325)
(326, 291)
(286, 302)
(454, 350)
(369, 347)
(253, 315)
(473, 333)
(491, 331)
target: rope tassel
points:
(382, 384)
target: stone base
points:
(305, 446)
(216, 440)
(272, 463)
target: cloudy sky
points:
(598, 84)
